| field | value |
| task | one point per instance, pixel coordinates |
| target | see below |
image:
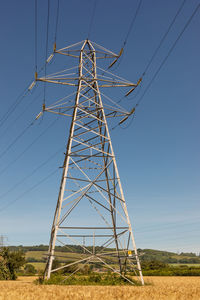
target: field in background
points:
(189, 265)
(41, 255)
(38, 259)
(168, 288)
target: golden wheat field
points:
(160, 288)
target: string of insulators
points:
(128, 115)
(140, 79)
(116, 59)
(41, 113)
(131, 90)
(52, 55)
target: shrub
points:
(92, 279)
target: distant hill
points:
(37, 254)
(168, 257)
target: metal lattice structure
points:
(91, 208)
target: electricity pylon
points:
(91, 208)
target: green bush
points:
(92, 279)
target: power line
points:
(36, 36)
(168, 54)
(14, 105)
(172, 225)
(164, 37)
(17, 138)
(28, 147)
(30, 174)
(19, 116)
(128, 33)
(119, 59)
(29, 190)
(57, 16)
(19, 99)
(92, 18)
(132, 23)
(47, 41)
(160, 43)
(25, 92)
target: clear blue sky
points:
(158, 154)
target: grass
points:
(189, 265)
(41, 255)
(92, 279)
(162, 288)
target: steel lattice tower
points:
(91, 207)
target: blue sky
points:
(157, 155)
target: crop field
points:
(171, 288)
(42, 255)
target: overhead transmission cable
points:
(92, 18)
(132, 24)
(14, 105)
(169, 53)
(164, 37)
(17, 138)
(57, 17)
(29, 190)
(170, 225)
(25, 91)
(161, 42)
(46, 53)
(31, 173)
(18, 100)
(27, 148)
(36, 36)
(19, 116)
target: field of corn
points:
(170, 288)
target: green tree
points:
(12, 261)
(154, 265)
(4, 272)
(30, 269)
